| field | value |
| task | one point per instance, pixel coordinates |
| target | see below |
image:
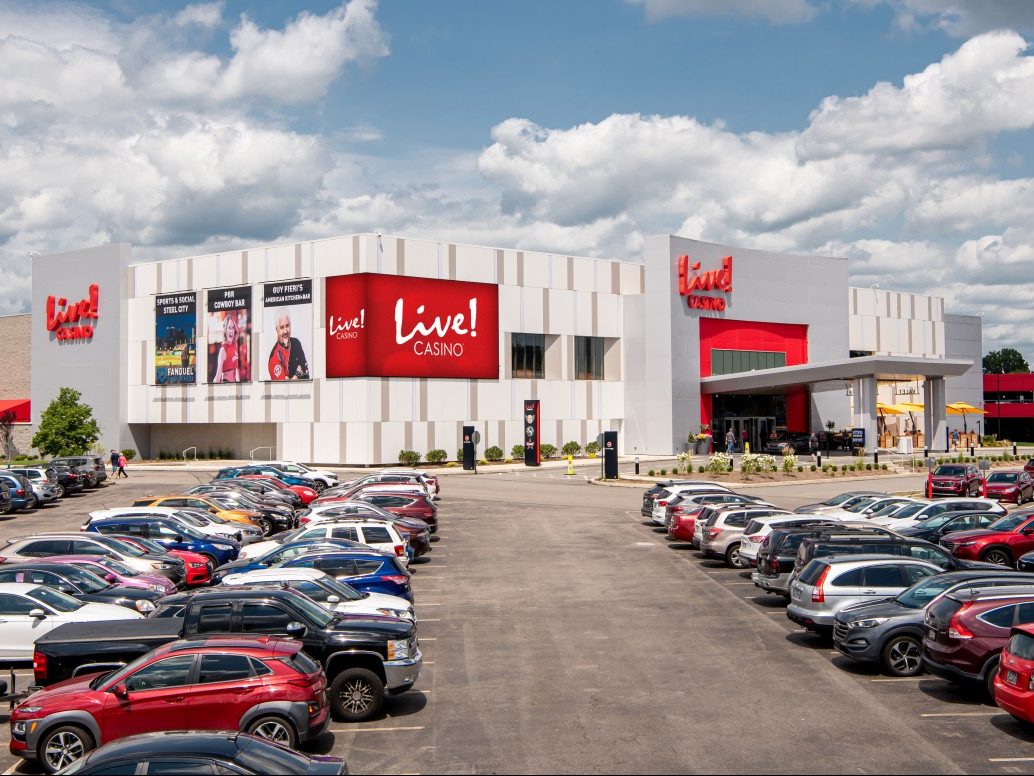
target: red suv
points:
(265, 686)
(955, 479)
(682, 520)
(1014, 685)
(1001, 543)
(967, 630)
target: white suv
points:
(660, 504)
(721, 536)
(322, 477)
(909, 515)
(379, 535)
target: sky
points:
(897, 133)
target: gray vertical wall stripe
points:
(499, 275)
(316, 385)
(501, 437)
(238, 403)
(520, 269)
(615, 277)
(244, 266)
(161, 288)
(452, 261)
(590, 410)
(297, 260)
(595, 314)
(355, 254)
(312, 442)
(570, 273)
(401, 263)
(190, 273)
(585, 433)
(559, 435)
(534, 389)
(131, 283)
(267, 405)
(145, 364)
(385, 399)
(377, 443)
(432, 442)
(342, 441)
(472, 392)
(422, 389)
(407, 435)
(545, 309)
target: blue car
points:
(171, 535)
(368, 571)
(271, 471)
(22, 496)
(284, 553)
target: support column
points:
(935, 414)
(865, 410)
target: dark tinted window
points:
(914, 573)
(922, 552)
(302, 663)
(812, 572)
(83, 547)
(943, 610)
(265, 618)
(224, 668)
(588, 358)
(344, 532)
(15, 604)
(949, 471)
(214, 618)
(1022, 646)
(736, 520)
(367, 566)
(883, 576)
(1024, 613)
(187, 766)
(527, 355)
(170, 672)
(45, 547)
(851, 578)
(337, 567)
(1002, 616)
(117, 769)
(376, 535)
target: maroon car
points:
(955, 479)
(404, 505)
(1014, 485)
(965, 631)
(1001, 543)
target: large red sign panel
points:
(392, 326)
(67, 322)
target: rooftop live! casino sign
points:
(693, 280)
(392, 326)
(73, 321)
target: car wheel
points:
(356, 694)
(320, 486)
(267, 527)
(989, 681)
(60, 491)
(275, 729)
(211, 559)
(997, 556)
(62, 746)
(733, 558)
(902, 656)
(34, 504)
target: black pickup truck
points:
(364, 656)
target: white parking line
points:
(428, 638)
(1010, 759)
(900, 678)
(645, 544)
(12, 769)
(420, 619)
(375, 729)
(988, 713)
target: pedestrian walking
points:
(114, 462)
(955, 439)
(730, 442)
(813, 444)
(122, 466)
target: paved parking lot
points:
(562, 634)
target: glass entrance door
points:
(752, 430)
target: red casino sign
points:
(392, 326)
(693, 280)
(73, 321)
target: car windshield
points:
(887, 509)
(923, 592)
(55, 600)
(1008, 523)
(938, 520)
(312, 610)
(858, 506)
(119, 568)
(838, 500)
(949, 471)
(86, 581)
(1003, 477)
(190, 519)
(120, 546)
(152, 548)
(909, 510)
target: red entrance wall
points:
(788, 338)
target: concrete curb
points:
(632, 482)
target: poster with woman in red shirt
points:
(229, 335)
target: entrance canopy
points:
(863, 373)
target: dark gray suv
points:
(890, 632)
(95, 462)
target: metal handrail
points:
(252, 453)
(184, 452)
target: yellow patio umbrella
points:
(884, 410)
(963, 409)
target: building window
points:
(528, 355)
(588, 358)
(727, 362)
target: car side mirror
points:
(177, 538)
(333, 599)
(110, 578)
(38, 614)
(121, 691)
(296, 629)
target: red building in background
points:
(1009, 406)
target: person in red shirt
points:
(228, 365)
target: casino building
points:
(350, 349)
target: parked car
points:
(20, 490)
(303, 486)
(326, 591)
(89, 476)
(73, 543)
(284, 552)
(668, 495)
(181, 501)
(693, 501)
(364, 657)
(967, 630)
(172, 535)
(44, 482)
(116, 572)
(932, 529)
(388, 479)
(199, 752)
(95, 462)
(29, 611)
(216, 684)
(423, 474)
(868, 507)
(276, 508)
(839, 500)
(828, 585)
(71, 480)
(955, 479)
(890, 632)
(759, 528)
(6, 502)
(203, 522)
(1014, 684)
(797, 443)
(404, 505)
(323, 478)
(366, 571)
(315, 514)
(913, 514)
(260, 487)
(379, 536)
(1001, 543)
(198, 568)
(720, 537)
(416, 533)
(79, 583)
(1016, 486)
(778, 554)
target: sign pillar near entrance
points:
(865, 410)
(935, 414)
(471, 437)
(608, 442)
(532, 411)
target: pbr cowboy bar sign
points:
(393, 326)
(75, 320)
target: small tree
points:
(1005, 362)
(517, 452)
(571, 448)
(7, 419)
(494, 453)
(66, 427)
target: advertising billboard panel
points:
(228, 328)
(287, 329)
(175, 338)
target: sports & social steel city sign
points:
(692, 280)
(69, 323)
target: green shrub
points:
(868, 467)
(801, 468)
(517, 452)
(843, 468)
(700, 470)
(650, 473)
(409, 457)
(883, 466)
(459, 454)
(571, 448)
(436, 456)
(719, 463)
(592, 448)
(494, 453)
(814, 467)
(548, 451)
(664, 472)
(130, 453)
